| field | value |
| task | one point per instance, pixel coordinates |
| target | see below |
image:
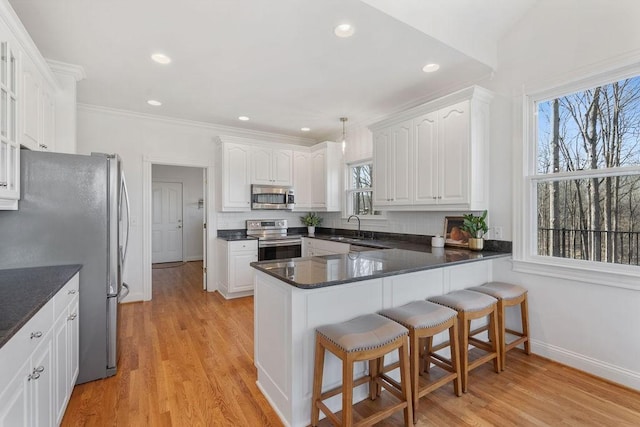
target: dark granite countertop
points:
(24, 291)
(330, 270)
(235, 237)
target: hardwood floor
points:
(188, 361)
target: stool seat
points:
(420, 314)
(363, 333)
(465, 300)
(500, 290)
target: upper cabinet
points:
(302, 179)
(9, 146)
(234, 176)
(434, 157)
(38, 110)
(325, 177)
(272, 166)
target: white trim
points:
(587, 364)
(75, 71)
(219, 129)
(147, 183)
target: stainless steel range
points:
(273, 240)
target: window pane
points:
(571, 226)
(362, 202)
(361, 176)
(591, 129)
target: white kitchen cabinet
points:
(234, 183)
(319, 247)
(9, 107)
(325, 181)
(38, 110)
(434, 156)
(39, 364)
(392, 165)
(235, 275)
(272, 166)
(302, 179)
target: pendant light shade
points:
(344, 134)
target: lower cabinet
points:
(319, 247)
(235, 275)
(40, 364)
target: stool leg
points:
(347, 391)
(373, 374)
(414, 364)
(427, 352)
(455, 359)
(493, 337)
(317, 383)
(403, 355)
(464, 349)
(524, 313)
(502, 334)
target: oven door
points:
(279, 249)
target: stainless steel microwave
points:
(272, 197)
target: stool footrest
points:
(391, 385)
(337, 390)
(334, 419)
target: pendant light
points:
(344, 135)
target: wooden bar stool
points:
(365, 338)
(424, 320)
(509, 295)
(470, 306)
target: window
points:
(585, 183)
(359, 189)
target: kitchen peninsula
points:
(293, 297)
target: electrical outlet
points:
(497, 233)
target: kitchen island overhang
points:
(293, 297)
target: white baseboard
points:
(273, 406)
(193, 258)
(592, 366)
(134, 297)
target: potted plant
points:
(477, 227)
(311, 219)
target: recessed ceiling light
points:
(430, 68)
(243, 118)
(344, 30)
(161, 58)
(305, 129)
(154, 102)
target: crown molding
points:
(59, 67)
(218, 129)
(25, 41)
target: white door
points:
(204, 229)
(167, 222)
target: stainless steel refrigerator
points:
(74, 210)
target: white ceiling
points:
(277, 62)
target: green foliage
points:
(475, 225)
(311, 219)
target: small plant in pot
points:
(477, 227)
(311, 219)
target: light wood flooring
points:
(188, 361)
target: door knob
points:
(179, 226)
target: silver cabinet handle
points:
(179, 226)
(439, 197)
(37, 334)
(39, 369)
(36, 373)
(435, 198)
(34, 376)
(72, 291)
(43, 146)
(3, 184)
(73, 316)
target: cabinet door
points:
(425, 130)
(401, 171)
(31, 112)
(14, 399)
(42, 377)
(61, 349)
(302, 178)
(282, 163)
(237, 190)
(240, 272)
(262, 163)
(9, 148)
(381, 159)
(318, 179)
(73, 340)
(453, 166)
(48, 123)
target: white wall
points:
(192, 191)
(590, 326)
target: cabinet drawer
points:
(66, 296)
(22, 343)
(243, 245)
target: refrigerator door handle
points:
(124, 192)
(123, 292)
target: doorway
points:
(175, 213)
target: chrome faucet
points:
(358, 218)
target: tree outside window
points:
(360, 190)
(587, 178)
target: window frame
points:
(348, 205)
(525, 257)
